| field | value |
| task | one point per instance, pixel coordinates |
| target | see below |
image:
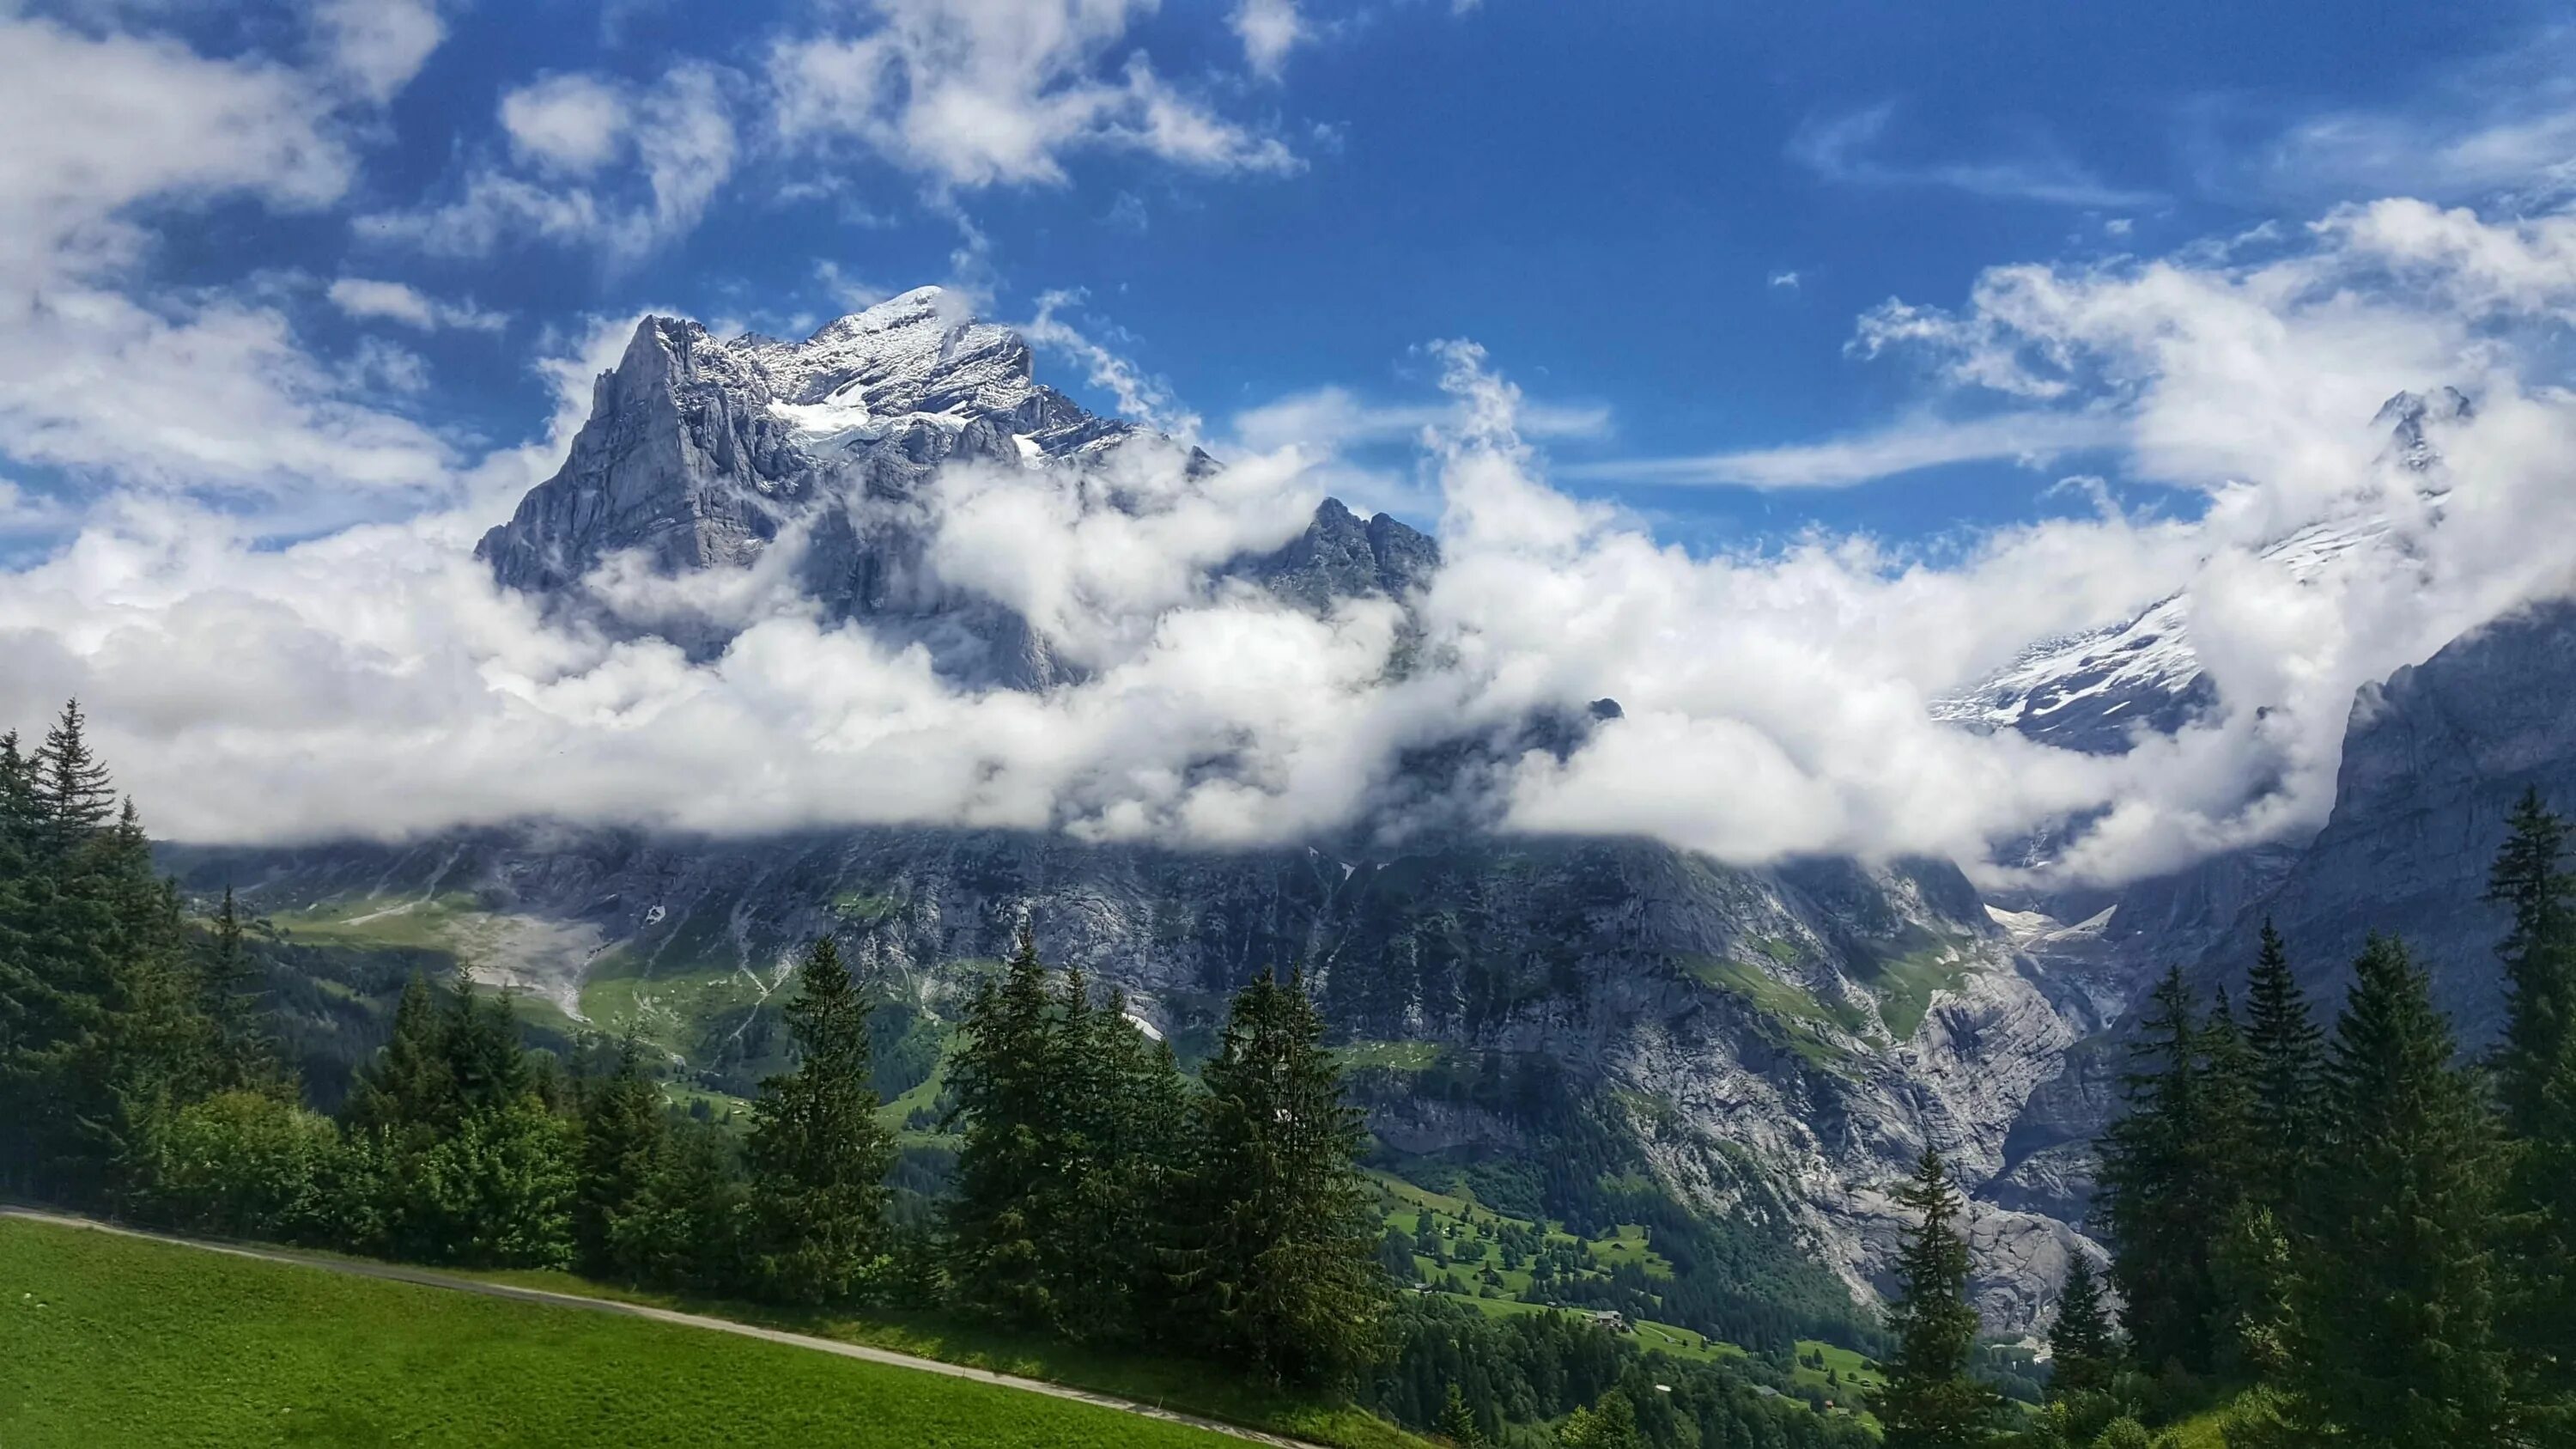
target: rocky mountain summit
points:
(703, 455)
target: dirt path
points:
(428, 1278)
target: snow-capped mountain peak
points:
(920, 354)
(2097, 690)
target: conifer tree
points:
(2289, 1052)
(1610, 1423)
(1125, 1109)
(2393, 1327)
(57, 982)
(2535, 1072)
(21, 1006)
(624, 1136)
(480, 1040)
(2080, 1345)
(2530, 879)
(1005, 1077)
(1930, 1402)
(2230, 1105)
(702, 1206)
(407, 1085)
(73, 797)
(1281, 1262)
(2161, 1195)
(101, 1038)
(228, 991)
(818, 1155)
(1458, 1422)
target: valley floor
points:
(115, 1337)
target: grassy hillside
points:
(116, 1341)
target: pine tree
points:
(228, 991)
(1458, 1422)
(479, 1038)
(1127, 1111)
(2230, 1104)
(72, 793)
(1006, 1079)
(2535, 1072)
(2289, 1053)
(1281, 1263)
(2531, 881)
(1611, 1423)
(705, 1205)
(2392, 1333)
(2167, 1183)
(624, 1136)
(58, 982)
(407, 1085)
(818, 1154)
(1930, 1402)
(22, 1007)
(2080, 1345)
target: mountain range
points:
(1573, 1023)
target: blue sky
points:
(1784, 372)
(1665, 215)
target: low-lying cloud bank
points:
(374, 682)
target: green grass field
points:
(114, 1341)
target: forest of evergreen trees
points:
(1099, 1192)
(2359, 1240)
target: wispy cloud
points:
(972, 95)
(600, 163)
(1845, 149)
(1842, 462)
(1334, 418)
(2503, 126)
(1269, 29)
(366, 298)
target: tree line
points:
(2363, 1238)
(1100, 1193)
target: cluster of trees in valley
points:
(1100, 1194)
(2356, 1240)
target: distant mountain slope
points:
(2098, 690)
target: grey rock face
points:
(1738, 1020)
(1341, 557)
(2432, 764)
(681, 458)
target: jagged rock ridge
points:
(699, 454)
